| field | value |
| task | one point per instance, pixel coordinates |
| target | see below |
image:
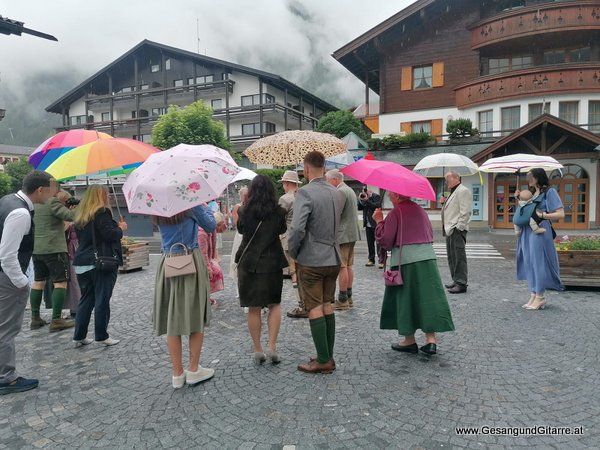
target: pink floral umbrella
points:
(178, 179)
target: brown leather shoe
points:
(316, 367)
(37, 322)
(458, 289)
(332, 361)
(61, 324)
(298, 313)
(341, 306)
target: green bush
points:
(275, 175)
(578, 243)
(460, 128)
(394, 141)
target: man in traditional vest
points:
(16, 248)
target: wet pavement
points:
(502, 367)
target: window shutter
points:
(436, 128)
(406, 127)
(406, 81)
(438, 74)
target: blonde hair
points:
(63, 196)
(219, 217)
(94, 199)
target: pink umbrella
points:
(391, 177)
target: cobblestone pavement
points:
(503, 366)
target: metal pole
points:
(116, 199)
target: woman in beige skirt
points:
(181, 303)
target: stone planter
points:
(579, 267)
(465, 139)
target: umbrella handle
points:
(116, 199)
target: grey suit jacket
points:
(349, 230)
(312, 238)
(456, 213)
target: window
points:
(421, 127)
(204, 79)
(554, 57)
(253, 129)
(521, 62)
(168, 64)
(77, 120)
(133, 114)
(269, 98)
(177, 83)
(579, 55)
(143, 137)
(594, 116)
(143, 87)
(422, 77)
(507, 5)
(105, 116)
(154, 68)
(126, 89)
(510, 118)
(216, 104)
(569, 112)
(250, 100)
(499, 65)
(190, 80)
(158, 111)
(537, 109)
(486, 122)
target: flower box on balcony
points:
(579, 261)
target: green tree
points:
(16, 171)
(275, 175)
(192, 124)
(340, 123)
(5, 184)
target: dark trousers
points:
(457, 256)
(96, 290)
(370, 232)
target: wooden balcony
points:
(550, 18)
(566, 78)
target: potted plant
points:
(462, 130)
(579, 260)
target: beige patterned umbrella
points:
(290, 147)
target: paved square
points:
(503, 366)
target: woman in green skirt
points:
(181, 302)
(419, 303)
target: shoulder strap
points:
(248, 244)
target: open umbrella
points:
(178, 179)
(244, 174)
(520, 162)
(59, 144)
(392, 177)
(290, 147)
(436, 166)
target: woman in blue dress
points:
(537, 261)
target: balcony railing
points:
(543, 80)
(551, 18)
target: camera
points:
(72, 201)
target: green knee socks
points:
(35, 299)
(330, 322)
(318, 330)
(58, 300)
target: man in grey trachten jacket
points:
(312, 242)
(348, 234)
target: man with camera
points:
(50, 260)
(368, 202)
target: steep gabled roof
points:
(78, 91)
(543, 120)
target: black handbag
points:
(103, 263)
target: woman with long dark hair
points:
(537, 260)
(261, 261)
(180, 302)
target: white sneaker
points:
(108, 342)
(202, 374)
(179, 381)
(246, 309)
(79, 343)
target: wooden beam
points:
(557, 144)
(597, 193)
(366, 93)
(532, 147)
(491, 200)
(544, 132)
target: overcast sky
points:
(287, 37)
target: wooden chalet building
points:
(126, 98)
(527, 74)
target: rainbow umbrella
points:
(59, 144)
(103, 156)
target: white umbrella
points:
(436, 166)
(245, 174)
(520, 162)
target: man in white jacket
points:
(456, 214)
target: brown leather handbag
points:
(180, 264)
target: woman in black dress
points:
(261, 261)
